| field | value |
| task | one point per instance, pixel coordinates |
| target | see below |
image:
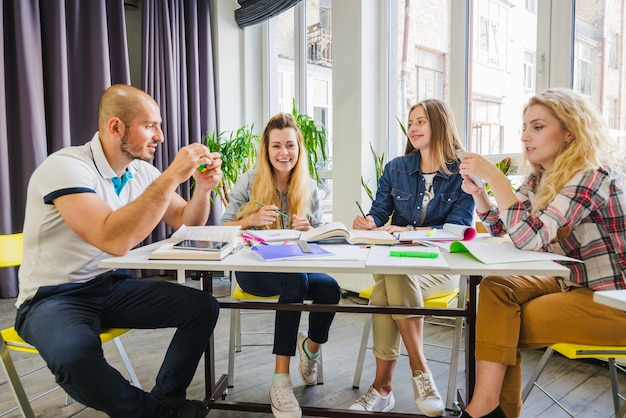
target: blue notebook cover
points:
(287, 252)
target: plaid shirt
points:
(586, 220)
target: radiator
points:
(353, 282)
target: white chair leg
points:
(14, 382)
(536, 373)
(367, 324)
(129, 367)
(232, 344)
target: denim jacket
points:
(401, 192)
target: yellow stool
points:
(235, 343)
(579, 351)
(10, 340)
(450, 300)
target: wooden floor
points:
(583, 386)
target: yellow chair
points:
(579, 351)
(11, 256)
(450, 300)
(235, 343)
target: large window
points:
(508, 50)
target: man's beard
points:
(127, 152)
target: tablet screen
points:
(193, 244)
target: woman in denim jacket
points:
(420, 190)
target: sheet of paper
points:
(379, 256)
(207, 233)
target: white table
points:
(459, 263)
(615, 299)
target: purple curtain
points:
(59, 55)
(177, 70)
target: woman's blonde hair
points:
(444, 138)
(263, 187)
(589, 149)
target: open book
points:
(336, 231)
(208, 233)
(449, 232)
(496, 250)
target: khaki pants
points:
(521, 312)
(402, 290)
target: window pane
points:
(423, 45)
(502, 73)
(598, 60)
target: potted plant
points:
(238, 150)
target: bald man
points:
(100, 199)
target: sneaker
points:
(306, 366)
(284, 402)
(180, 408)
(374, 401)
(427, 398)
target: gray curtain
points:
(177, 70)
(59, 55)
(252, 12)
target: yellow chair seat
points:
(239, 294)
(576, 351)
(15, 342)
(11, 250)
(445, 301)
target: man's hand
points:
(211, 175)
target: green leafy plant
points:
(315, 141)
(379, 165)
(238, 150)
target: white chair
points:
(579, 351)
(454, 299)
(10, 340)
(235, 344)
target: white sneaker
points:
(284, 402)
(427, 398)
(306, 366)
(374, 401)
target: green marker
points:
(415, 254)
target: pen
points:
(275, 210)
(360, 209)
(431, 232)
(251, 238)
(416, 254)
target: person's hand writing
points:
(300, 223)
(361, 222)
(266, 215)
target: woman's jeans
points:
(64, 323)
(294, 288)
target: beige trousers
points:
(520, 312)
(402, 290)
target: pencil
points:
(360, 209)
(275, 210)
